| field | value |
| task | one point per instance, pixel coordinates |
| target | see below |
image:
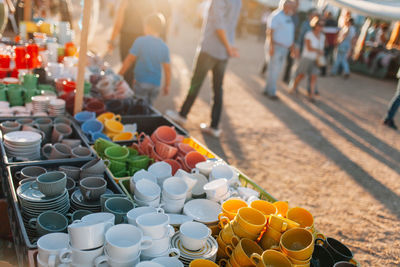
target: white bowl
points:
(146, 190)
(133, 214)
(175, 188)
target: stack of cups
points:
(56, 107)
(86, 239)
(174, 194)
(147, 193)
(123, 246)
(156, 226)
(161, 170)
(50, 247)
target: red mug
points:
(175, 165)
(183, 149)
(145, 143)
(165, 151)
(192, 158)
(153, 153)
(164, 134)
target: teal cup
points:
(62, 120)
(77, 215)
(51, 183)
(49, 222)
(119, 153)
(104, 197)
(45, 125)
(119, 207)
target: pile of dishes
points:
(40, 103)
(56, 107)
(33, 203)
(23, 145)
(78, 202)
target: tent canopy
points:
(380, 9)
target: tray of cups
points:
(36, 139)
(28, 202)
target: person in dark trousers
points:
(394, 106)
(289, 57)
(330, 31)
(129, 26)
(216, 47)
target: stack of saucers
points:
(208, 251)
(78, 202)
(33, 203)
(40, 103)
(56, 107)
(23, 145)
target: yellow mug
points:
(301, 216)
(224, 263)
(223, 220)
(251, 219)
(242, 233)
(297, 243)
(108, 116)
(231, 207)
(215, 230)
(124, 136)
(270, 238)
(282, 207)
(228, 236)
(112, 128)
(299, 263)
(243, 251)
(271, 258)
(265, 207)
(281, 224)
(202, 263)
(221, 253)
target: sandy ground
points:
(333, 157)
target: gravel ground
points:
(332, 157)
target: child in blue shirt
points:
(149, 53)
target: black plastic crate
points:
(146, 124)
(75, 135)
(22, 242)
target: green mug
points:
(29, 93)
(139, 162)
(117, 166)
(46, 87)
(87, 87)
(117, 153)
(120, 174)
(132, 153)
(31, 81)
(3, 94)
(15, 95)
(101, 144)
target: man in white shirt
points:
(280, 38)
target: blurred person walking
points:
(345, 43)
(280, 39)
(330, 30)
(215, 48)
(314, 42)
(290, 59)
(393, 107)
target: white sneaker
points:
(209, 130)
(175, 116)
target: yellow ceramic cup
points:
(301, 216)
(221, 247)
(231, 207)
(202, 263)
(251, 219)
(282, 207)
(271, 258)
(270, 238)
(228, 236)
(215, 230)
(281, 224)
(299, 263)
(243, 251)
(297, 243)
(124, 136)
(224, 263)
(265, 207)
(108, 116)
(242, 233)
(234, 263)
(112, 127)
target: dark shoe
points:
(346, 76)
(316, 92)
(272, 97)
(390, 123)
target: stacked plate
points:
(79, 203)
(33, 203)
(23, 145)
(209, 251)
(202, 210)
(56, 107)
(40, 103)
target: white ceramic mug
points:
(194, 235)
(139, 175)
(87, 235)
(172, 205)
(161, 170)
(167, 253)
(149, 264)
(220, 171)
(133, 214)
(216, 188)
(146, 190)
(99, 217)
(175, 188)
(187, 177)
(155, 225)
(143, 203)
(50, 247)
(168, 261)
(124, 241)
(81, 258)
(205, 167)
(99, 261)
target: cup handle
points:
(69, 216)
(160, 210)
(353, 261)
(51, 262)
(106, 162)
(284, 227)
(255, 258)
(195, 170)
(235, 240)
(319, 239)
(47, 155)
(223, 220)
(223, 262)
(175, 252)
(146, 243)
(87, 194)
(65, 255)
(171, 231)
(319, 235)
(117, 117)
(100, 260)
(18, 175)
(229, 250)
(32, 223)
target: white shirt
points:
(283, 28)
(316, 43)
